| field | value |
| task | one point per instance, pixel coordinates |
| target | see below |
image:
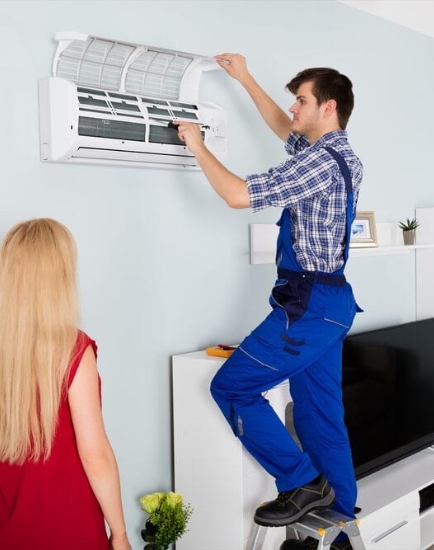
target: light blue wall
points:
(163, 262)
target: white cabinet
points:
(427, 528)
(224, 484)
(389, 499)
(394, 526)
(213, 472)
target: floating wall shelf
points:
(263, 243)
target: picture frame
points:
(363, 231)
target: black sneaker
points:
(290, 506)
(312, 544)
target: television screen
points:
(388, 393)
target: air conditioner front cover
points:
(111, 102)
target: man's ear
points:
(330, 108)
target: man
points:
(312, 304)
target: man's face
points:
(306, 113)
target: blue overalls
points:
(300, 340)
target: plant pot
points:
(409, 236)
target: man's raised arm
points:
(279, 122)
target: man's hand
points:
(190, 134)
(235, 65)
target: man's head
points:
(327, 85)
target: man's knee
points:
(217, 387)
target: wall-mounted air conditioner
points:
(111, 102)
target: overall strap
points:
(345, 171)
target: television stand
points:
(224, 484)
(392, 517)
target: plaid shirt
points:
(311, 186)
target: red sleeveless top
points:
(50, 505)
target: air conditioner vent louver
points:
(92, 101)
(110, 102)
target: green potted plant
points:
(409, 230)
(167, 521)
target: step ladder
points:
(323, 525)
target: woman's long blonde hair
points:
(38, 329)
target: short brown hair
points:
(327, 84)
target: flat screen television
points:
(388, 388)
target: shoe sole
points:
(325, 502)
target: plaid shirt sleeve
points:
(298, 178)
(296, 143)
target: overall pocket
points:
(293, 297)
(341, 312)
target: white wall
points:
(413, 14)
(164, 263)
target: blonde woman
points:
(59, 482)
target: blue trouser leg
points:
(319, 422)
(309, 353)
(237, 388)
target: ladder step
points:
(319, 527)
(323, 525)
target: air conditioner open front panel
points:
(130, 67)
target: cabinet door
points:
(427, 528)
(404, 535)
(395, 526)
